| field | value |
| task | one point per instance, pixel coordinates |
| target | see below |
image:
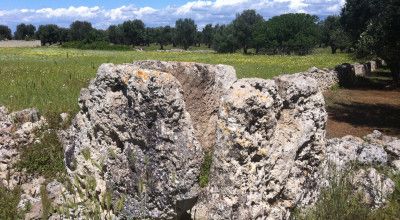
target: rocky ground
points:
(136, 148)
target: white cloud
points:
(128, 12)
(225, 3)
(294, 5)
(202, 11)
(193, 6)
(80, 12)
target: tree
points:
(5, 33)
(208, 32)
(25, 32)
(377, 24)
(244, 26)
(95, 36)
(115, 34)
(259, 35)
(80, 30)
(224, 39)
(163, 36)
(198, 38)
(334, 35)
(355, 17)
(151, 35)
(186, 31)
(134, 32)
(49, 34)
(64, 35)
(292, 33)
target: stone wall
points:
(136, 148)
(20, 43)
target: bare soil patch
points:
(359, 111)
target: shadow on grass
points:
(380, 80)
(383, 117)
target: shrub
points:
(205, 170)
(45, 158)
(339, 202)
(46, 202)
(9, 200)
(97, 45)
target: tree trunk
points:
(395, 70)
(257, 49)
(245, 49)
(333, 49)
(161, 47)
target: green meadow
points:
(50, 78)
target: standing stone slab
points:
(372, 65)
(270, 142)
(360, 69)
(346, 75)
(133, 143)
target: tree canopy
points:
(186, 31)
(333, 34)
(49, 34)
(80, 30)
(5, 33)
(244, 26)
(134, 32)
(374, 27)
(292, 33)
(208, 34)
(25, 32)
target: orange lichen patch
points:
(125, 79)
(142, 75)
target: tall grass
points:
(50, 78)
(339, 201)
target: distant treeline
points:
(284, 34)
(366, 27)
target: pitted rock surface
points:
(203, 86)
(270, 143)
(325, 78)
(136, 147)
(374, 186)
(17, 130)
(134, 137)
(372, 150)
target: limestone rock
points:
(372, 154)
(269, 147)
(342, 151)
(133, 143)
(374, 186)
(393, 148)
(17, 130)
(396, 166)
(325, 78)
(64, 117)
(346, 75)
(30, 196)
(203, 86)
(374, 149)
(372, 65)
(27, 115)
(360, 69)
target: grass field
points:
(50, 78)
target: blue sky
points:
(153, 13)
(36, 4)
